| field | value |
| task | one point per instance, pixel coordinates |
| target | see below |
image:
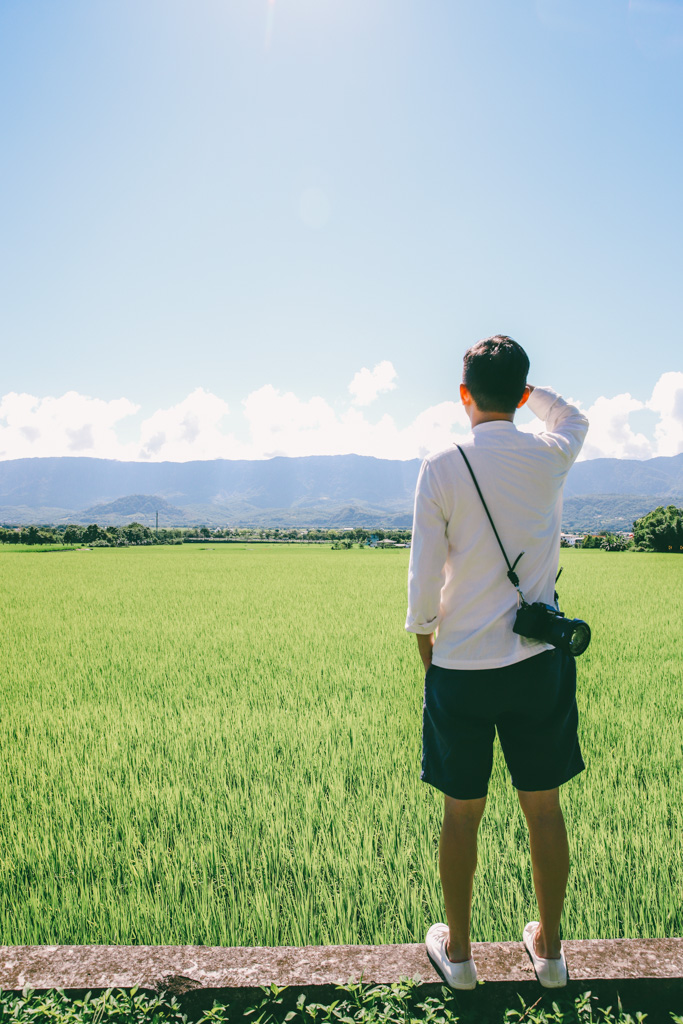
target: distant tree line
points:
(136, 533)
(608, 542)
(102, 536)
(311, 535)
(660, 530)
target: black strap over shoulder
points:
(511, 574)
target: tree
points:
(614, 542)
(92, 533)
(660, 530)
(136, 533)
(73, 534)
(593, 540)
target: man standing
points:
(480, 676)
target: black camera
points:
(545, 622)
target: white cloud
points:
(281, 423)
(610, 433)
(368, 384)
(434, 429)
(186, 431)
(667, 401)
(71, 425)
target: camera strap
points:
(511, 574)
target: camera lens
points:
(580, 637)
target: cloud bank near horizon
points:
(281, 423)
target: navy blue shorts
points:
(532, 705)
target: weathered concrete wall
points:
(646, 973)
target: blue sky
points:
(216, 214)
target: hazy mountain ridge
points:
(128, 507)
(280, 482)
(663, 476)
(327, 490)
(591, 513)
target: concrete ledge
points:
(647, 974)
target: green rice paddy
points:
(221, 745)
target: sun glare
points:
(270, 23)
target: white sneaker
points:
(463, 975)
(550, 973)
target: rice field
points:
(221, 746)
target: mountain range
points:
(318, 490)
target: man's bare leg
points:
(550, 861)
(457, 864)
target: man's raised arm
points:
(566, 426)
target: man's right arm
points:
(428, 554)
(566, 426)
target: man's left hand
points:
(425, 643)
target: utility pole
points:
(157, 526)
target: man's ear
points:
(524, 398)
(465, 396)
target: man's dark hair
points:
(494, 372)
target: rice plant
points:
(221, 746)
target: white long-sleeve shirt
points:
(457, 582)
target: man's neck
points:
(478, 417)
